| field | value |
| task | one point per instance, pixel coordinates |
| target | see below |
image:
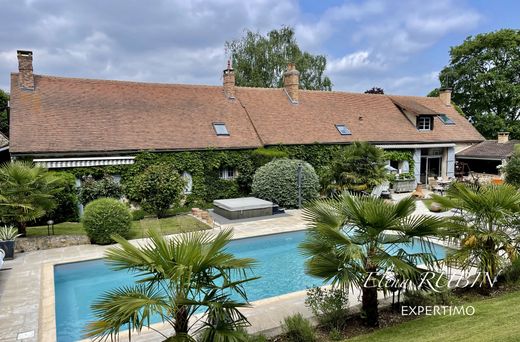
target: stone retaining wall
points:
(48, 242)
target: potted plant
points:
(7, 240)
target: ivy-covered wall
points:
(204, 166)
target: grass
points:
(494, 320)
(169, 225)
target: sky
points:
(399, 46)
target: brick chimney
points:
(229, 82)
(25, 70)
(445, 96)
(291, 82)
(503, 137)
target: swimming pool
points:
(280, 266)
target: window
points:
(343, 130)
(424, 123)
(227, 173)
(220, 128)
(189, 183)
(446, 120)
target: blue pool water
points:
(280, 266)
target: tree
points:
(375, 90)
(512, 170)
(353, 240)
(485, 228)
(261, 61)
(360, 168)
(92, 189)
(26, 193)
(157, 188)
(178, 278)
(484, 74)
(4, 120)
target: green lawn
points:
(495, 319)
(169, 225)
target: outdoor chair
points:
(434, 186)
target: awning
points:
(59, 163)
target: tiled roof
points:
(79, 115)
(68, 115)
(490, 149)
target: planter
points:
(404, 185)
(8, 247)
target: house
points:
(487, 157)
(71, 122)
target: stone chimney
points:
(445, 96)
(229, 82)
(25, 70)
(291, 82)
(503, 137)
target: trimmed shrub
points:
(511, 273)
(104, 217)
(157, 188)
(329, 306)
(298, 329)
(92, 189)
(277, 181)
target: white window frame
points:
(228, 173)
(424, 123)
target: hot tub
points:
(241, 208)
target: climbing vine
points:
(204, 167)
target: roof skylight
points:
(343, 130)
(220, 128)
(446, 120)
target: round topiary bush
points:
(277, 181)
(104, 217)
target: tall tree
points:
(260, 61)
(484, 72)
(4, 121)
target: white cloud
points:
(367, 43)
(357, 61)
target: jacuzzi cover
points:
(243, 203)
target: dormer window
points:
(446, 120)
(343, 130)
(424, 123)
(220, 129)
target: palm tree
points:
(360, 168)
(26, 193)
(352, 241)
(175, 279)
(487, 227)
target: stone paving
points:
(27, 286)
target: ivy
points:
(399, 155)
(204, 166)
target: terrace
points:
(28, 299)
